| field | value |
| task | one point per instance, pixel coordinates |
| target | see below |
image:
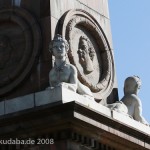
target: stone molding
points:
(64, 96)
(84, 126)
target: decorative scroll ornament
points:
(20, 40)
(89, 51)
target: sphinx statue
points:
(64, 73)
(130, 104)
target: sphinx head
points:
(132, 85)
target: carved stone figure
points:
(86, 55)
(64, 73)
(130, 100)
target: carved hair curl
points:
(138, 81)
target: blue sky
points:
(130, 26)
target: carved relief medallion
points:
(89, 51)
(20, 40)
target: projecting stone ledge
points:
(63, 95)
(46, 112)
(75, 125)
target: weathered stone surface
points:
(76, 122)
(147, 145)
(48, 17)
(5, 3)
(18, 104)
(30, 5)
(130, 105)
(48, 96)
(46, 30)
(20, 25)
(94, 125)
(93, 105)
(63, 95)
(98, 9)
(77, 24)
(54, 21)
(130, 122)
(20, 49)
(2, 108)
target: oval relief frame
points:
(76, 22)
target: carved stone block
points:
(19, 104)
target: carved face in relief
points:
(5, 51)
(59, 49)
(86, 55)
